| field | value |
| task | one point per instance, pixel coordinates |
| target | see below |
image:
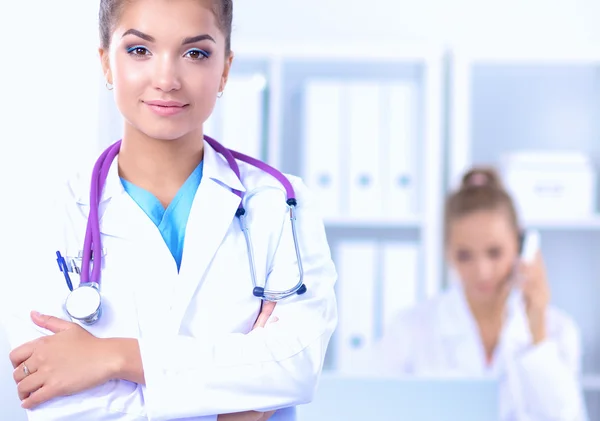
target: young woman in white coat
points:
(181, 334)
(496, 320)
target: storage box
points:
(551, 185)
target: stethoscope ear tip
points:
(301, 290)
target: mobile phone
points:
(530, 241)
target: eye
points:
(138, 50)
(197, 54)
(463, 256)
(495, 252)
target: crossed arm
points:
(46, 368)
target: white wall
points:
(441, 21)
(49, 72)
(48, 113)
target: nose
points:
(484, 270)
(166, 74)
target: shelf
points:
(414, 222)
(589, 223)
(409, 222)
(590, 382)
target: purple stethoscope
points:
(84, 303)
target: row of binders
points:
(360, 147)
(359, 141)
(376, 280)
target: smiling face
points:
(167, 62)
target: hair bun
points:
(482, 177)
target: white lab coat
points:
(537, 383)
(199, 353)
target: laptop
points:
(411, 399)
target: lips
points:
(164, 108)
(162, 103)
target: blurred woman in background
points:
(497, 319)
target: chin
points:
(165, 132)
(483, 293)
(164, 135)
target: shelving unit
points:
(549, 100)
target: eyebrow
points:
(150, 38)
(138, 34)
(197, 38)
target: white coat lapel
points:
(461, 340)
(139, 258)
(515, 333)
(211, 217)
(119, 215)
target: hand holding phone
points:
(531, 274)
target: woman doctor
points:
(181, 335)
(497, 320)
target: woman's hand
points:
(536, 292)
(70, 361)
(266, 310)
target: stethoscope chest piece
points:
(84, 303)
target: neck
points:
(489, 311)
(159, 166)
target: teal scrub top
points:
(172, 221)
